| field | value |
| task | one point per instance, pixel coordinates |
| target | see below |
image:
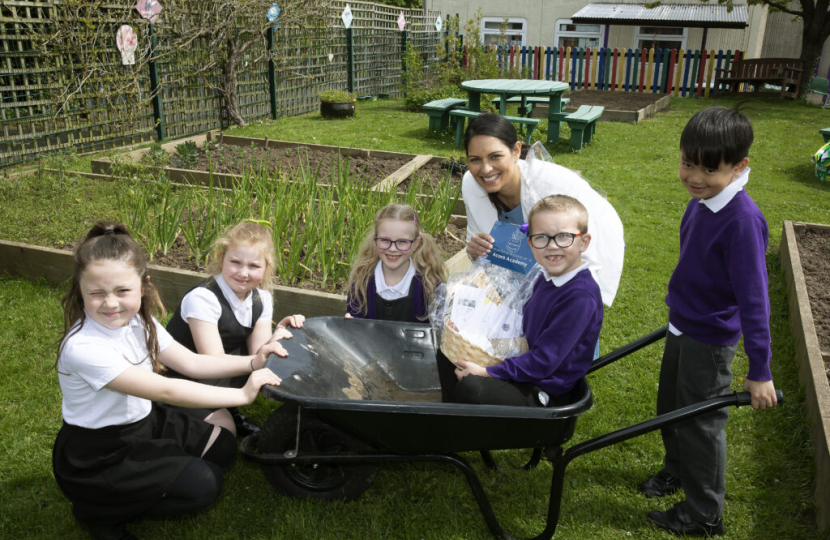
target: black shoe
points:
(671, 521)
(660, 485)
(243, 426)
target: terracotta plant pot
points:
(336, 109)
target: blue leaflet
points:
(510, 249)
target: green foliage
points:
(337, 96)
(422, 84)
(188, 154)
(156, 156)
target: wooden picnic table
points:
(507, 88)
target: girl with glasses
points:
(396, 270)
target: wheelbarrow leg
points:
(535, 458)
(489, 461)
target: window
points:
(660, 37)
(574, 36)
(515, 31)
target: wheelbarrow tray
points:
(378, 381)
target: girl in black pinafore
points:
(122, 451)
(231, 312)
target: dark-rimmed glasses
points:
(563, 239)
(404, 244)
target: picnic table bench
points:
(583, 124)
(462, 114)
(438, 111)
(755, 72)
(529, 103)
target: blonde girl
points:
(231, 312)
(122, 451)
(396, 270)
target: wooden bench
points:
(825, 133)
(755, 72)
(583, 124)
(438, 112)
(461, 114)
(531, 101)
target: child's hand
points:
(465, 368)
(763, 393)
(262, 354)
(480, 244)
(349, 316)
(280, 333)
(295, 321)
(257, 380)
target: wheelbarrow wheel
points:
(314, 480)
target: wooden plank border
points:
(811, 367)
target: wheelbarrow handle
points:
(737, 399)
(625, 350)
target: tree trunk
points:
(229, 79)
(812, 40)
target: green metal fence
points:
(31, 127)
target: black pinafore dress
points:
(234, 335)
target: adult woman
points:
(500, 186)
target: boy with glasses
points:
(717, 292)
(561, 320)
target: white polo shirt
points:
(91, 359)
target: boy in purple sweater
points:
(561, 320)
(717, 292)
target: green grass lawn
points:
(770, 474)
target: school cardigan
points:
(416, 295)
(719, 288)
(542, 178)
(562, 327)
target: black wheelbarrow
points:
(358, 393)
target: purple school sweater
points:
(562, 326)
(719, 288)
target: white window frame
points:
(500, 20)
(681, 40)
(564, 33)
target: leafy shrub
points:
(337, 96)
(187, 154)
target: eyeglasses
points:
(403, 244)
(563, 239)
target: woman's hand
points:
(295, 321)
(258, 361)
(480, 244)
(257, 380)
(464, 368)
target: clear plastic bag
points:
(477, 315)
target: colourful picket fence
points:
(660, 71)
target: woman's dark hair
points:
(715, 135)
(492, 125)
(108, 241)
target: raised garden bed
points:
(55, 266)
(619, 106)
(805, 256)
(236, 155)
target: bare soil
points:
(814, 250)
(612, 101)
(238, 159)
